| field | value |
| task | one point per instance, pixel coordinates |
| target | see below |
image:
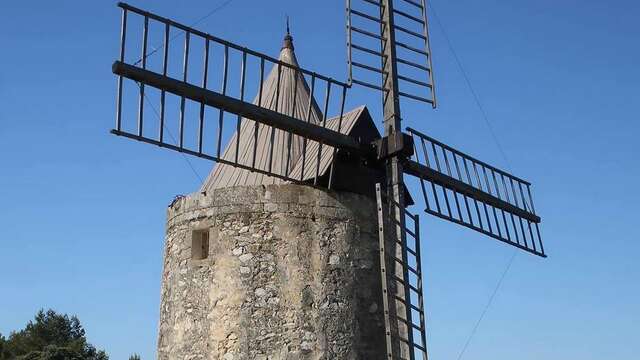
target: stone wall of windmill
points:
(283, 272)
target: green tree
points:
(134, 357)
(50, 336)
(3, 353)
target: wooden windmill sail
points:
(284, 135)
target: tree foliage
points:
(50, 336)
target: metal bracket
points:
(395, 144)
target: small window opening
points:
(200, 245)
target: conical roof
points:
(292, 85)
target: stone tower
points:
(255, 268)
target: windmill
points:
(285, 137)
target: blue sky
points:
(82, 221)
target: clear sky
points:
(83, 212)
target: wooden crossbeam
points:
(426, 173)
(238, 107)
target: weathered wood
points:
(413, 168)
(243, 108)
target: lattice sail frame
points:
(503, 203)
(228, 100)
(366, 41)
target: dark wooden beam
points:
(413, 168)
(242, 108)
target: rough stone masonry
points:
(283, 272)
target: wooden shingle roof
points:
(292, 85)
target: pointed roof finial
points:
(288, 39)
(288, 32)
